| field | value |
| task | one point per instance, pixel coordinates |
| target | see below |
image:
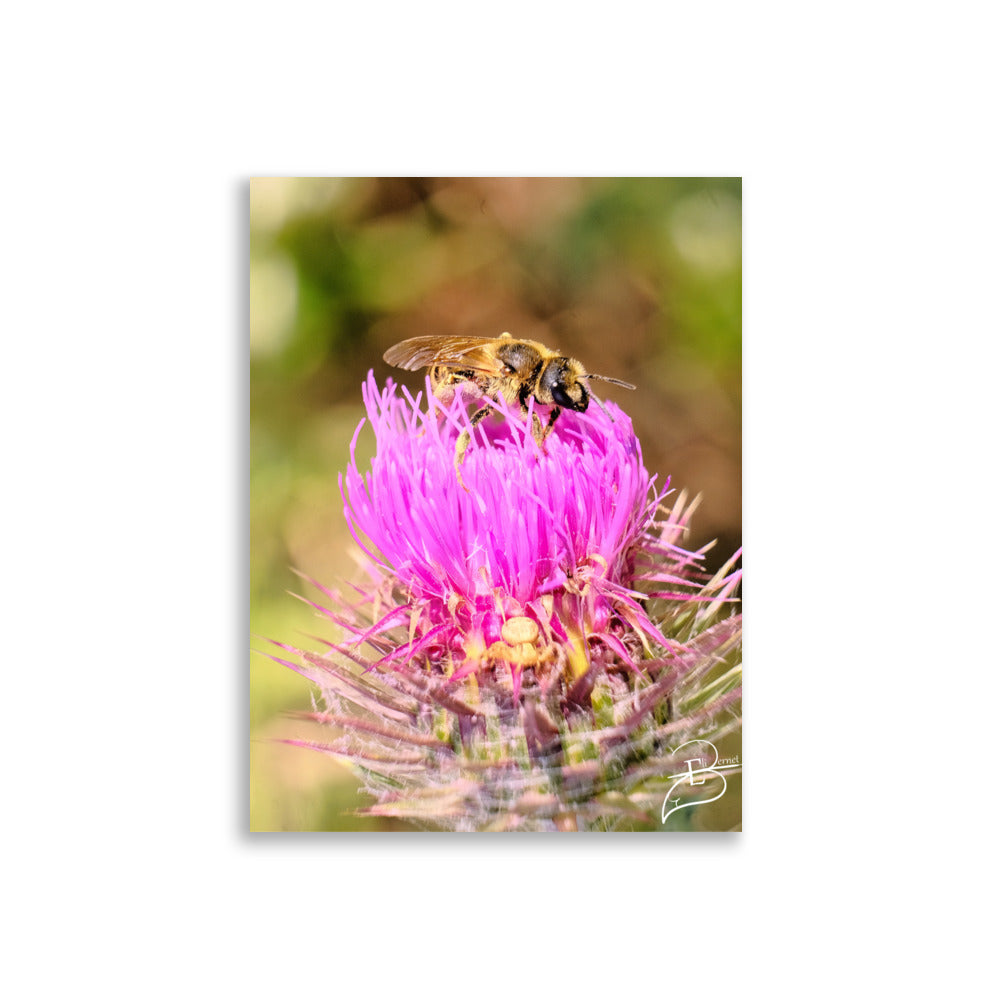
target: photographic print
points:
(495, 504)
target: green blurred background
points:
(639, 278)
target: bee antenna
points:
(613, 381)
(597, 399)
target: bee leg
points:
(443, 387)
(539, 433)
(463, 442)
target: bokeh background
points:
(639, 278)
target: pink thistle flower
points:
(529, 646)
(546, 534)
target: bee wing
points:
(457, 352)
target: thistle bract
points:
(534, 639)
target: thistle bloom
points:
(533, 634)
(545, 534)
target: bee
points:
(499, 367)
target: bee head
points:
(561, 384)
